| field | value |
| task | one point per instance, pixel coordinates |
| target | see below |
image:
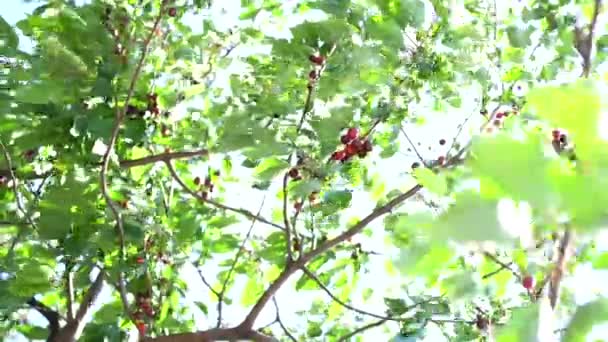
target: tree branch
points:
(583, 41)
(90, 297)
(278, 320)
(322, 248)
(563, 256)
(286, 219)
(501, 264)
(216, 334)
(51, 315)
(231, 269)
(413, 146)
(69, 290)
(163, 157)
(362, 329)
(218, 205)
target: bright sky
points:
(394, 173)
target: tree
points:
(273, 146)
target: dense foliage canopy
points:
(332, 170)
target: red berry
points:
(441, 160)
(294, 173)
(197, 180)
(344, 139)
(141, 327)
(499, 115)
(205, 195)
(351, 150)
(297, 206)
(358, 144)
(441, 141)
(140, 260)
(313, 75)
(352, 133)
(367, 146)
(172, 12)
(556, 133)
(338, 155)
(528, 282)
(207, 181)
(319, 60)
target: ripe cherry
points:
(141, 327)
(442, 142)
(172, 12)
(500, 115)
(351, 150)
(367, 146)
(481, 322)
(294, 173)
(207, 181)
(441, 160)
(319, 60)
(352, 133)
(555, 133)
(358, 145)
(528, 282)
(344, 139)
(297, 206)
(338, 155)
(313, 75)
(197, 181)
(140, 260)
(205, 195)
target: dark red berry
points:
(358, 145)
(197, 180)
(351, 150)
(131, 110)
(319, 60)
(481, 323)
(441, 141)
(344, 139)
(367, 146)
(207, 181)
(172, 12)
(294, 173)
(140, 260)
(313, 75)
(338, 155)
(555, 133)
(499, 115)
(205, 195)
(528, 282)
(441, 160)
(141, 327)
(415, 165)
(352, 133)
(297, 206)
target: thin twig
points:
(120, 114)
(502, 264)
(495, 272)
(218, 205)
(204, 280)
(286, 219)
(557, 274)
(163, 157)
(361, 329)
(233, 266)
(413, 146)
(278, 320)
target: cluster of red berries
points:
(353, 145)
(207, 185)
(318, 61)
(500, 118)
(172, 12)
(144, 307)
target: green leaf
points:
(575, 107)
(519, 37)
(518, 167)
(434, 182)
(270, 167)
(340, 199)
(202, 306)
(585, 318)
(471, 218)
(460, 286)
(601, 261)
(523, 325)
(8, 38)
(304, 188)
(252, 291)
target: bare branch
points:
(232, 267)
(362, 329)
(163, 157)
(583, 41)
(204, 280)
(90, 297)
(322, 248)
(286, 219)
(502, 264)
(278, 320)
(120, 115)
(563, 256)
(218, 205)
(51, 315)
